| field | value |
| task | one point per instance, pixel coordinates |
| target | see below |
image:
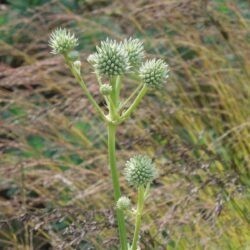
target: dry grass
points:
(55, 190)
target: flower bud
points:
(62, 41)
(154, 72)
(105, 89)
(73, 55)
(123, 203)
(111, 59)
(140, 170)
(135, 50)
(77, 64)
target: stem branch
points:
(84, 87)
(140, 203)
(130, 97)
(134, 105)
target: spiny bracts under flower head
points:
(135, 50)
(62, 41)
(140, 170)
(154, 72)
(111, 59)
(105, 89)
(123, 203)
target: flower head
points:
(135, 50)
(154, 72)
(140, 170)
(62, 41)
(111, 59)
(123, 203)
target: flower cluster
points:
(140, 170)
(154, 72)
(111, 59)
(116, 58)
(62, 41)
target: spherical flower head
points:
(62, 41)
(111, 59)
(135, 50)
(140, 170)
(105, 89)
(154, 72)
(123, 203)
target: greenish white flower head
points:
(154, 72)
(111, 59)
(135, 50)
(105, 89)
(62, 41)
(123, 203)
(140, 170)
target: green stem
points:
(117, 90)
(112, 109)
(134, 105)
(140, 203)
(115, 83)
(116, 184)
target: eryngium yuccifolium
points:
(154, 72)
(135, 50)
(140, 170)
(123, 203)
(62, 41)
(105, 89)
(111, 59)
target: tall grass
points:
(55, 190)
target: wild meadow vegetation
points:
(55, 185)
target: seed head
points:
(111, 59)
(123, 203)
(135, 50)
(105, 89)
(154, 72)
(140, 170)
(62, 41)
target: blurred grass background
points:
(55, 189)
